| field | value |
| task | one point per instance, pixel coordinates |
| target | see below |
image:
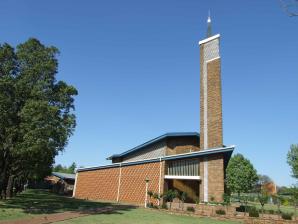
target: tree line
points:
(36, 113)
(64, 169)
(242, 179)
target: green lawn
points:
(41, 202)
(141, 216)
(286, 209)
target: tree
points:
(65, 169)
(36, 113)
(241, 176)
(292, 159)
(263, 199)
(170, 195)
(294, 199)
(277, 200)
(72, 167)
(290, 7)
(264, 179)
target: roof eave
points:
(226, 150)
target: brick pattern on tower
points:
(210, 95)
(216, 177)
(211, 133)
(214, 104)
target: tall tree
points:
(241, 176)
(293, 159)
(290, 7)
(36, 111)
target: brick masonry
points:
(214, 130)
(214, 102)
(103, 184)
(98, 184)
(215, 177)
(180, 145)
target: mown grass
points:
(41, 202)
(142, 216)
(285, 209)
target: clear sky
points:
(136, 66)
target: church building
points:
(185, 161)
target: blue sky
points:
(136, 67)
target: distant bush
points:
(241, 208)
(285, 202)
(190, 209)
(271, 211)
(286, 216)
(220, 212)
(253, 212)
(155, 206)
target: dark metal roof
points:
(227, 151)
(64, 176)
(152, 141)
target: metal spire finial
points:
(209, 30)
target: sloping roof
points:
(152, 141)
(64, 176)
(227, 151)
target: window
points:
(189, 167)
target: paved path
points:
(50, 218)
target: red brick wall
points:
(103, 184)
(98, 184)
(133, 181)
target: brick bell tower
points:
(211, 133)
(210, 92)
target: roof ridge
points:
(154, 140)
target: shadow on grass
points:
(44, 202)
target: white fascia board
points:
(182, 177)
(209, 39)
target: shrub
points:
(220, 212)
(197, 200)
(285, 202)
(286, 216)
(190, 209)
(271, 211)
(169, 196)
(241, 208)
(253, 212)
(155, 206)
(150, 205)
(226, 199)
(164, 206)
(212, 198)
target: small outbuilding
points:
(61, 183)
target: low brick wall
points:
(231, 214)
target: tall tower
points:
(210, 93)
